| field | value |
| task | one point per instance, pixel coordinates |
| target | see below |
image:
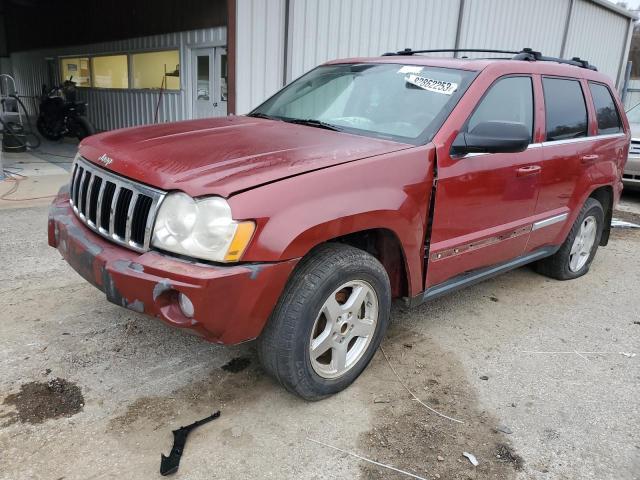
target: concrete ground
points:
(540, 373)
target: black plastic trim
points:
(476, 276)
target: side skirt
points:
(476, 276)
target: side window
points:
(566, 110)
(606, 112)
(508, 100)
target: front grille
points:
(634, 148)
(116, 208)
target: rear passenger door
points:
(574, 151)
(484, 202)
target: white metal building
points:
(266, 43)
(299, 34)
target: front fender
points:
(389, 191)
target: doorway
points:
(209, 82)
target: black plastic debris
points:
(170, 464)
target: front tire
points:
(574, 257)
(328, 322)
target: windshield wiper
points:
(263, 115)
(312, 123)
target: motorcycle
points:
(61, 115)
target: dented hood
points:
(225, 155)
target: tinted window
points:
(566, 111)
(508, 100)
(606, 113)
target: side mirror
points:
(492, 137)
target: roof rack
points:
(526, 54)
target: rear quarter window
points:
(606, 111)
(566, 111)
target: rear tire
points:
(328, 322)
(574, 257)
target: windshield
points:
(398, 102)
(633, 115)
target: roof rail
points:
(526, 54)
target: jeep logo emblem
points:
(105, 159)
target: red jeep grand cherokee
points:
(363, 181)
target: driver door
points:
(484, 202)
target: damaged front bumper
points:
(231, 304)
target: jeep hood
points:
(225, 155)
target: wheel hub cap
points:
(343, 329)
(582, 244)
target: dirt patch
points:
(409, 437)
(216, 390)
(237, 364)
(40, 401)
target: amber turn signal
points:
(241, 239)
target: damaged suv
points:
(364, 181)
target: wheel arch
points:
(385, 246)
(604, 195)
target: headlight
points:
(202, 228)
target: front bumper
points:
(231, 303)
(631, 175)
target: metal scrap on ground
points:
(616, 223)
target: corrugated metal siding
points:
(598, 35)
(110, 108)
(259, 51)
(321, 30)
(514, 24)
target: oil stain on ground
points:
(408, 436)
(40, 401)
(236, 364)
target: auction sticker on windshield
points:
(437, 86)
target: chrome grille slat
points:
(87, 198)
(99, 206)
(112, 210)
(122, 223)
(83, 191)
(132, 206)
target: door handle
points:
(589, 158)
(528, 170)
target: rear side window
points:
(566, 111)
(606, 112)
(508, 100)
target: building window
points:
(110, 71)
(76, 69)
(156, 70)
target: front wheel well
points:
(385, 246)
(604, 195)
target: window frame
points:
(534, 118)
(615, 105)
(586, 107)
(129, 55)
